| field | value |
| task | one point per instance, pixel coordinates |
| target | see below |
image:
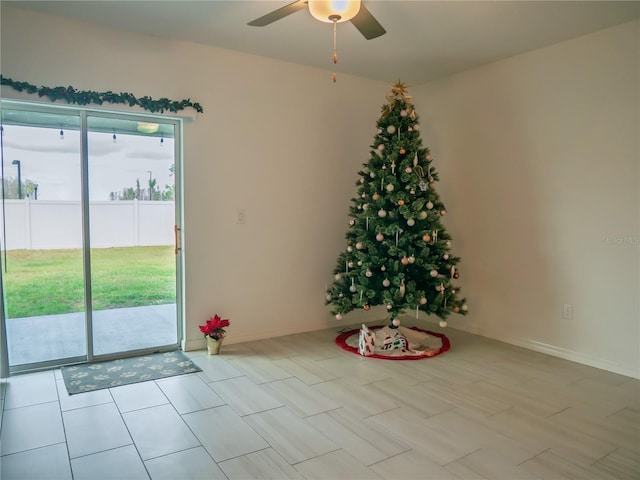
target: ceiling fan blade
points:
(278, 14)
(366, 23)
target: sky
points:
(54, 163)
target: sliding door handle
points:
(176, 229)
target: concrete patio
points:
(53, 337)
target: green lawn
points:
(46, 282)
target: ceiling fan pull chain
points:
(335, 51)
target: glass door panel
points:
(41, 237)
(131, 192)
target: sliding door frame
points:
(83, 114)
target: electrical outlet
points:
(567, 312)
(240, 216)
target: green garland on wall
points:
(85, 97)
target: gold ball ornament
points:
(411, 222)
(390, 187)
(375, 196)
(379, 237)
(386, 282)
(402, 151)
(339, 316)
(426, 237)
(433, 273)
(359, 246)
(382, 213)
(367, 307)
(400, 202)
(456, 309)
(443, 213)
(423, 301)
(456, 275)
(404, 261)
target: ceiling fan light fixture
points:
(331, 11)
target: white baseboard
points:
(566, 354)
(231, 338)
(556, 351)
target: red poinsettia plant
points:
(215, 327)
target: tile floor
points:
(300, 407)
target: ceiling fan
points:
(333, 11)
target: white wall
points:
(276, 139)
(539, 156)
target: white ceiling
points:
(425, 39)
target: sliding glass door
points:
(90, 265)
(132, 217)
(42, 263)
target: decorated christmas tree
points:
(398, 252)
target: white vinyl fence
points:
(48, 224)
